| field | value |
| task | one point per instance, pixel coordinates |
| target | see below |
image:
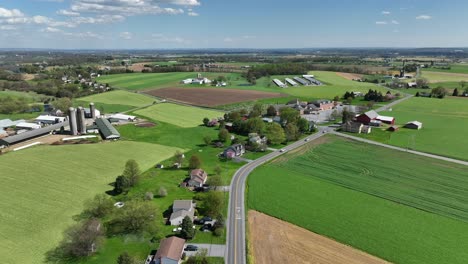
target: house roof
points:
(107, 130)
(171, 248)
(371, 114)
(385, 118)
(8, 123)
(50, 118)
(182, 204)
(177, 214)
(198, 175)
(28, 125)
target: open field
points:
(364, 196)
(30, 96)
(445, 122)
(454, 68)
(43, 187)
(436, 77)
(179, 115)
(211, 97)
(276, 241)
(119, 98)
(350, 76)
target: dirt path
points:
(276, 241)
(349, 76)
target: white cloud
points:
(423, 17)
(10, 13)
(131, 7)
(51, 30)
(381, 23)
(64, 12)
(7, 27)
(159, 38)
(394, 22)
(126, 35)
(192, 13)
(386, 13)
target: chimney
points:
(73, 124)
(92, 109)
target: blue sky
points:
(156, 24)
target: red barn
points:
(367, 117)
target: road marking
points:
(238, 213)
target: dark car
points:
(191, 248)
(205, 219)
(206, 228)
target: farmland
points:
(444, 125)
(43, 187)
(436, 77)
(454, 68)
(179, 115)
(363, 196)
(111, 100)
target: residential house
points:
(255, 138)
(170, 251)
(198, 177)
(352, 127)
(323, 104)
(181, 209)
(367, 117)
(235, 150)
(413, 125)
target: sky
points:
(192, 24)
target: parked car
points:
(205, 219)
(282, 150)
(191, 248)
(206, 228)
(307, 139)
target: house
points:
(352, 127)
(181, 209)
(255, 138)
(170, 251)
(367, 117)
(197, 178)
(393, 128)
(323, 104)
(235, 150)
(413, 125)
(47, 119)
(386, 119)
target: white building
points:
(48, 119)
(181, 209)
(29, 126)
(123, 117)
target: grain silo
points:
(92, 110)
(81, 120)
(73, 123)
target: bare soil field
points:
(276, 241)
(211, 96)
(349, 76)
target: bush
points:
(149, 196)
(162, 192)
(218, 232)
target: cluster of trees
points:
(49, 87)
(10, 105)
(374, 95)
(275, 69)
(129, 178)
(439, 92)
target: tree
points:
(347, 115)
(125, 258)
(200, 258)
(162, 192)
(207, 140)
(292, 132)
(463, 84)
(349, 100)
(135, 217)
(455, 92)
(82, 239)
(187, 232)
(63, 104)
(218, 170)
(132, 172)
(195, 162)
(271, 111)
(421, 82)
(99, 207)
(215, 181)
(275, 134)
(255, 125)
(438, 92)
(336, 98)
(257, 110)
(213, 203)
(206, 121)
(121, 185)
(417, 94)
(303, 125)
(223, 135)
(178, 157)
(289, 115)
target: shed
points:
(393, 128)
(413, 125)
(106, 129)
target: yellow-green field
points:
(120, 97)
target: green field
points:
(179, 115)
(30, 97)
(390, 204)
(119, 98)
(43, 187)
(454, 68)
(445, 122)
(437, 77)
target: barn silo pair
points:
(77, 119)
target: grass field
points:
(179, 115)
(119, 98)
(436, 77)
(454, 68)
(43, 187)
(364, 196)
(445, 122)
(30, 97)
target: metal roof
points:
(8, 123)
(107, 130)
(31, 134)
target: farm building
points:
(386, 119)
(5, 142)
(279, 83)
(4, 123)
(311, 79)
(413, 125)
(198, 177)
(412, 85)
(367, 117)
(92, 109)
(393, 128)
(235, 150)
(170, 251)
(122, 117)
(106, 129)
(181, 209)
(291, 82)
(47, 119)
(28, 126)
(3, 133)
(352, 127)
(323, 104)
(199, 80)
(301, 81)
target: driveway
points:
(214, 250)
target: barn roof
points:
(386, 118)
(107, 130)
(371, 114)
(31, 134)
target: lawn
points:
(364, 196)
(179, 115)
(445, 122)
(119, 98)
(43, 187)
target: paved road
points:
(390, 105)
(400, 149)
(236, 247)
(213, 250)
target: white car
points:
(282, 150)
(119, 204)
(307, 139)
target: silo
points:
(73, 124)
(81, 120)
(92, 109)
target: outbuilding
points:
(367, 117)
(413, 125)
(106, 129)
(47, 119)
(393, 128)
